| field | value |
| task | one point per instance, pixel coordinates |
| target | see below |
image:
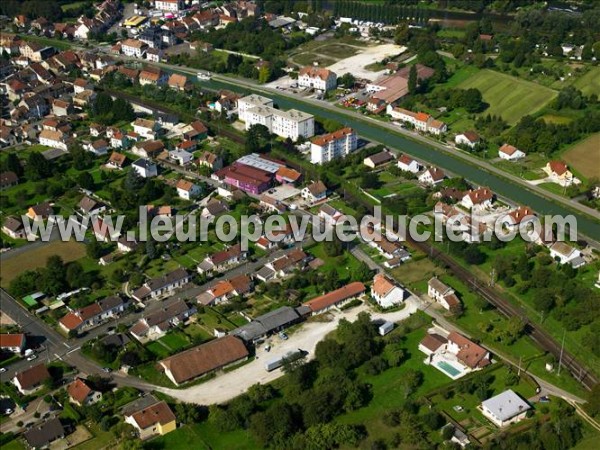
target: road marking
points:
(58, 357)
(73, 350)
(66, 345)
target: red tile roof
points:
(335, 297)
(11, 340)
(78, 390)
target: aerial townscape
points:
(178, 179)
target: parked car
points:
(8, 411)
(283, 336)
(107, 369)
(31, 357)
(2, 369)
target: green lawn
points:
(508, 96)
(203, 436)
(101, 439)
(589, 83)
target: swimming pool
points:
(449, 369)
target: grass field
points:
(305, 59)
(589, 83)
(13, 266)
(508, 96)
(585, 156)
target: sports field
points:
(584, 156)
(29, 259)
(508, 97)
(589, 83)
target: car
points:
(267, 348)
(107, 369)
(544, 399)
(8, 411)
(283, 336)
(31, 357)
(2, 369)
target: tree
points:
(86, 181)
(412, 80)
(369, 180)
(94, 249)
(75, 275)
(347, 80)
(13, 164)
(38, 167)
(264, 74)
(122, 110)
(54, 275)
(593, 401)
(103, 105)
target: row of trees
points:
(108, 111)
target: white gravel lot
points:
(356, 64)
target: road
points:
(231, 384)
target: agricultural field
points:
(508, 96)
(589, 83)
(584, 156)
(17, 263)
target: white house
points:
(172, 6)
(468, 138)
(432, 176)
(145, 168)
(187, 190)
(510, 153)
(55, 139)
(444, 295)
(13, 343)
(563, 253)
(81, 394)
(315, 192)
(133, 48)
(182, 157)
(98, 148)
(385, 292)
(330, 215)
(333, 145)
(505, 408)
(482, 198)
(317, 78)
(407, 164)
(145, 128)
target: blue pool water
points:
(450, 370)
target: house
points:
(270, 204)
(248, 179)
(133, 48)
(270, 323)
(273, 237)
(90, 207)
(156, 419)
(505, 408)
(155, 55)
(187, 190)
(146, 128)
(81, 394)
(407, 164)
(224, 290)
(563, 253)
(145, 168)
(420, 121)
(510, 152)
(378, 159)
(126, 245)
(204, 359)
(116, 161)
(156, 324)
(12, 343)
(431, 343)
(213, 209)
(181, 157)
(336, 299)
(43, 434)
(560, 171)
(338, 144)
(210, 160)
(220, 261)
(467, 352)
(468, 138)
(521, 216)
(385, 292)
(432, 176)
(315, 192)
(98, 148)
(444, 295)
(481, 197)
(391, 88)
(283, 265)
(157, 287)
(148, 149)
(14, 228)
(318, 78)
(330, 215)
(195, 131)
(172, 6)
(54, 139)
(31, 380)
(8, 179)
(154, 76)
(179, 82)
(93, 315)
(61, 107)
(40, 211)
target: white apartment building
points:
(249, 102)
(133, 48)
(333, 145)
(292, 124)
(169, 5)
(317, 78)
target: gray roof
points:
(267, 323)
(506, 405)
(265, 273)
(41, 435)
(139, 404)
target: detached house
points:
(432, 176)
(336, 299)
(156, 324)
(224, 290)
(330, 215)
(468, 138)
(156, 419)
(40, 211)
(133, 47)
(505, 409)
(145, 168)
(563, 253)
(30, 380)
(510, 153)
(444, 295)
(93, 315)
(146, 128)
(482, 198)
(14, 228)
(385, 292)
(317, 78)
(55, 139)
(378, 159)
(155, 77)
(407, 164)
(520, 216)
(222, 260)
(8, 179)
(89, 207)
(81, 394)
(315, 192)
(560, 171)
(116, 161)
(12, 343)
(179, 82)
(187, 190)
